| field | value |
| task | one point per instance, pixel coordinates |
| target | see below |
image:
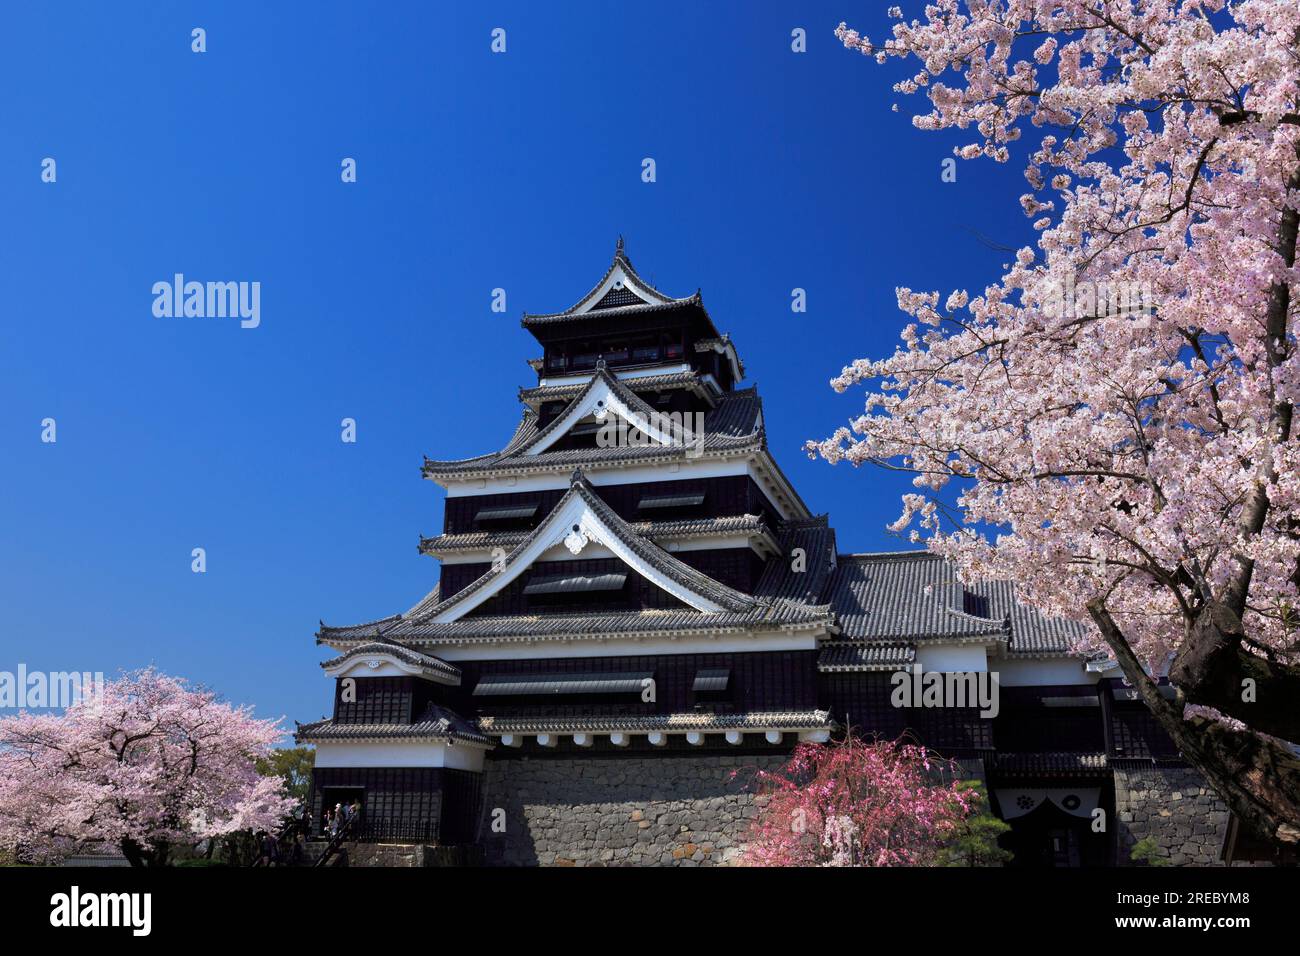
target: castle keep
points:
(635, 602)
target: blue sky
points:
(476, 170)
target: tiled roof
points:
(659, 383)
(532, 320)
(414, 658)
(739, 612)
(780, 579)
(348, 634)
(904, 596)
(654, 530)
(733, 425)
(359, 632)
(602, 376)
(768, 720)
(859, 656)
(1048, 764)
(604, 626)
(700, 583)
(438, 722)
(723, 344)
(915, 596)
(1033, 633)
(642, 297)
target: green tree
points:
(1147, 852)
(293, 765)
(976, 841)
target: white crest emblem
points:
(372, 664)
(576, 540)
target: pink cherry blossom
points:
(857, 803)
(1109, 424)
(147, 764)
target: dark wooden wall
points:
(724, 496)
(738, 568)
(760, 681)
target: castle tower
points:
(631, 581)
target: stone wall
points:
(624, 811)
(1176, 807)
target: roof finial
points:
(618, 249)
(578, 477)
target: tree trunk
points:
(132, 851)
(1258, 778)
(1211, 668)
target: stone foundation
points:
(1176, 807)
(624, 811)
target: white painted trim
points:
(598, 475)
(657, 738)
(555, 530)
(762, 544)
(601, 399)
(726, 348)
(382, 664)
(391, 753)
(953, 658)
(619, 278)
(645, 371)
(1042, 672)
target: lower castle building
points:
(634, 603)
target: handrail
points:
(336, 841)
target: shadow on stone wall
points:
(1175, 807)
(654, 811)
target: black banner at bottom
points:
(341, 906)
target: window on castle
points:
(659, 505)
(527, 685)
(574, 588)
(504, 516)
(974, 604)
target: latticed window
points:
(379, 700)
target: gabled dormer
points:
(630, 325)
(582, 526)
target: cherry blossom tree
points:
(1110, 422)
(148, 764)
(857, 803)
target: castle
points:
(635, 602)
